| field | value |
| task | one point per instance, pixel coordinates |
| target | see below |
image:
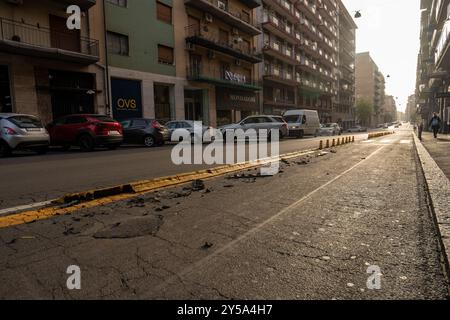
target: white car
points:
(330, 129)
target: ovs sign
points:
(126, 104)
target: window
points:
(118, 43)
(165, 55)
(75, 120)
(139, 123)
(163, 12)
(120, 3)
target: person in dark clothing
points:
(420, 129)
(435, 124)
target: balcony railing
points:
(34, 38)
(228, 13)
(219, 76)
(443, 42)
(211, 39)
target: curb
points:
(438, 188)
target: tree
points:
(364, 110)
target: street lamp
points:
(358, 14)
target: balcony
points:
(83, 4)
(442, 57)
(219, 77)
(280, 52)
(211, 40)
(227, 13)
(309, 10)
(282, 8)
(20, 38)
(279, 102)
(275, 26)
(281, 76)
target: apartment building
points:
(141, 57)
(370, 85)
(433, 68)
(344, 109)
(300, 46)
(389, 109)
(217, 54)
(46, 69)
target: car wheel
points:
(41, 150)
(5, 150)
(149, 141)
(86, 143)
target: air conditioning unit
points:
(222, 5)
(208, 18)
(190, 46)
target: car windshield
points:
(328, 125)
(291, 119)
(26, 122)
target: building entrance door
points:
(71, 93)
(5, 90)
(193, 106)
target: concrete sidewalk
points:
(439, 150)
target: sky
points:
(390, 31)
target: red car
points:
(86, 131)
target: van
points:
(302, 123)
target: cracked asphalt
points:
(310, 232)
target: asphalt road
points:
(28, 179)
(310, 232)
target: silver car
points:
(22, 132)
(260, 123)
(207, 132)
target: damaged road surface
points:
(311, 232)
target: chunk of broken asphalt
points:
(207, 246)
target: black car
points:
(148, 132)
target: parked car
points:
(148, 132)
(189, 126)
(86, 131)
(21, 131)
(330, 129)
(260, 123)
(302, 122)
(357, 129)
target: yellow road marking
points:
(140, 188)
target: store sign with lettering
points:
(126, 98)
(235, 77)
(236, 99)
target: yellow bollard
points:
(338, 142)
(343, 141)
(353, 139)
(328, 144)
(321, 145)
(334, 143)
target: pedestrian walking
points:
(420, 129)
(435, 124)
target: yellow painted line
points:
(140, 188)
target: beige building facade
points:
(46, 69)
(370, 86)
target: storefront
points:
(126, 98)
(71, 93)
(234, 105)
